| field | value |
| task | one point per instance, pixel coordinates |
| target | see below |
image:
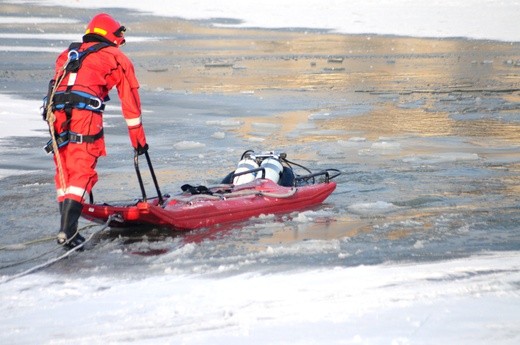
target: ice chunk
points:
(372, 208)
(188, 145)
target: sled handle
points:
(138, 173)
(152, 172)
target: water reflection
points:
(424, 129)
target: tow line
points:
(53, 261)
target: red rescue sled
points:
(200, 207)
(186, 211)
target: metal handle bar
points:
(325, 173)
(152, 172)
(262, 169)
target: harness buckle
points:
(71, 53)
(76, 138)
(99, 103)
(72, 65)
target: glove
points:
(141, 149)
(137, 137)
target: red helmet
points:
(106, 26)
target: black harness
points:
(70, 99)
(67, 137)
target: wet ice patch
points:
(256, 139)
(372, 208)
(304, 248)
(352, 145)
(224, 123)
(262, 129)
(188, 145)
(301, 129)
(384, 145)
(351, 141)
(441, 158)
(218, 135)
(265, 217)
(265, 126)
(412, 105)
(319, 116)
(10, 172)
(381, 148)
(353, 110)
(418, 244)
(302, 218)
(496, 112)
(36, 184)
(312, 216)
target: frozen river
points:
(418, 245)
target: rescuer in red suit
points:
(86, 72)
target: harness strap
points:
(62, 139)
(70, 99)
(75, 59)
(79, 100)
(67, 137)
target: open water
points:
(401, 197)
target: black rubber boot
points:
(75, 225)
(69, 236)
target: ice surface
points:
(35, 20)
(454, 18)
(387, 304)
(20, 117)
(30, 49)
(62, 37)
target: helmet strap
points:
(96, 38)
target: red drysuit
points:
(100, 71)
